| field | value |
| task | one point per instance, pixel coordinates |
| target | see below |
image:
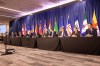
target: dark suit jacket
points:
(32, 34)
(46, 34)
(77, 34)
(64, 34)
(93, 32)
(20, 35)
(13, 35)
(54, 34)
(27, 36)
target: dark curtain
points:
(60, 15)
(92, 5)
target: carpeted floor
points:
(36, 57)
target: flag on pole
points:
(55, 26)
(68, 27)
(32, 28)
(40, 29)
(85, 25)
(23, 28)
(36, 28)
(61, 22)
(45, 26)
(77, 23)
(50, 25)
(95, 23)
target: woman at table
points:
(75, 33)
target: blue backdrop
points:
(76, 10)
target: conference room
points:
(49, 33)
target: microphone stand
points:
(8, 51)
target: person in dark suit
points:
(12, 35)
(65, 34)
(52, 33)
(45, 33)
(62, 33)
(20, 34)
(27, 34)
(32, 35)
(75, 33)
(91, 32)
(16, 35)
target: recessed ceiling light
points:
(11, 9)
(7, 16)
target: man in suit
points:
(91, 32)
(45, 33)
(52, 33)
(63, 33)
(32, 34)
(12, 35)
(16, 35)
(28, 34)
(20, 34)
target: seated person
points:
(52, 33)
(91, 32)
(75, 33)
(12, 35)
(16, 35)
(45, 33)
(28, 34)
(32, 35)
(20, 34)
(62, 33)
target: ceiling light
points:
(7, 16)
(47, 7)
(11, 9)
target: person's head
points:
(62, 29)
(45, 30)
(32, 31)
(12, 32)
(29, 31)
(89, 26)
(20, 33)
(52, 29)
(75, 29)
(15, 32)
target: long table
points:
(7, 40)
(48, 43)
(86, 45)
(16, 41)
(29, 42)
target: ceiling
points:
(19, 8)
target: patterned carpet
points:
(36, 57)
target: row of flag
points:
(68, 26)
